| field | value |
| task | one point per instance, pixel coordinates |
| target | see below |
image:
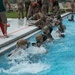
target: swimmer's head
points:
(19, 42)
(39, 38)
(46, 29)
(22, 42)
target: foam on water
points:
(23, 68)
(20, 53)
(21, 63)
(36, 50)
(60, 59)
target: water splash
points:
(23, 68)
(21, 63)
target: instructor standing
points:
(3, 14)
(27, 4)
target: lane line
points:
(16, 31)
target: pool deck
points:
(18, 29)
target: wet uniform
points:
(44, 38)
(38, 44)
(49, 34)
(72, 18)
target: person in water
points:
(71, 18)
(21, 44)
(32, 9)
(40, 39)
(61, 28)
(47, 31)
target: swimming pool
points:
(60, 59)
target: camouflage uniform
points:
(32, 8)
(20, 8)
(45, 7)
(27, 4)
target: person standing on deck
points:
(45, 6)
(27, 4)
(3, 14)
(55, 6)
(20, 8)
(51, 5)
(40, 4)
(72, 5)
(32, 8)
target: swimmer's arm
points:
(12, 52)
(32, 17)
(36, 23)
(9, 54)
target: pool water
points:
(60, 59)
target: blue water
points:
(60, 59)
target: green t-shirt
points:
(2, 7)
